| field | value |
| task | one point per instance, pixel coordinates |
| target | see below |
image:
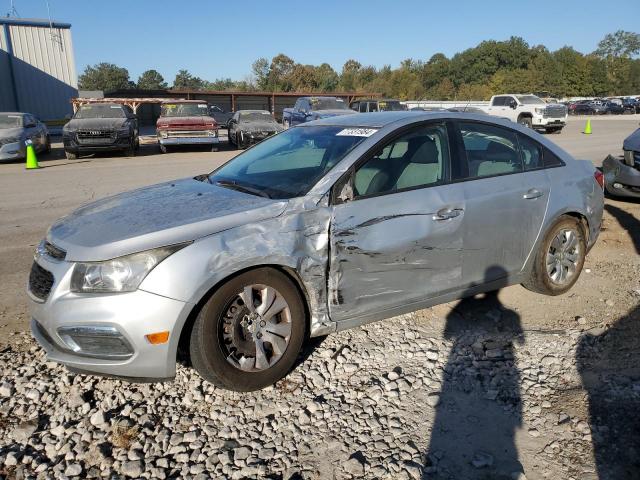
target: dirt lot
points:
(566, 407)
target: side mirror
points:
(513, 104)
(346, 192)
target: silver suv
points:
(323, 227)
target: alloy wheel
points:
(563, 256)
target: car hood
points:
(94, 123)
(11, 132)
(259, 126)
(632, 142)
(155, 216)
(331, 112)
(184, 121)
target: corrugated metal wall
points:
(44, 70)
(7, 102)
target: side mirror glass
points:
(346, 192)
(513, 104)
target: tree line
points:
(475, 74)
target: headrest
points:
(426, 153)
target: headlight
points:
(628, 157)
(124, 132)
(7, 140)
(122, 274)
(540, 111)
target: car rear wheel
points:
(249, 333)
(560, 258)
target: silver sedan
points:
(323, 227)
(16, 129)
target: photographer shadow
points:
(480, 409)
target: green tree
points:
(151, 80)
(620, 44)
(260, 70)
(185, 81)
(104, 76)
(280, 71)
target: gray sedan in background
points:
(15, 129)
(323, 227)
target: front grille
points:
(558, 111)
(96, 136)
(188, 133)
(40, 281)
(54, 252)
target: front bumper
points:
(73, 145)
(188, 140)
(12, 151)
(129, 316)
(621, 179)
(547, 122)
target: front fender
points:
(297, 241)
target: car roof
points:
(382, 119)
(179, 100)
(254, 111)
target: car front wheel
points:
(560, 258)
(249, 333)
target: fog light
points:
(158, 337)
(96, 341)
(617, 185)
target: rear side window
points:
(499, 102)
(415, 159)
(551, 159)
(532, 155)
(490, 150)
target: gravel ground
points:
(498, 387)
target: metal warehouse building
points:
(37, 68)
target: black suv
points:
(100, 127)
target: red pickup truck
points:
(186, 122)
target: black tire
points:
(207, 348)
(540, 280)
(70, 155)
(239, 141)
(526, 121)
(131, 149)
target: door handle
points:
(531, 194)
(447, 213)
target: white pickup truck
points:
(530, 111)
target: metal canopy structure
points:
(133, 103)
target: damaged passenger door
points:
(396, 235)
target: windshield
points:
(10, 121)
(327, 103)
(256, 117)
(394, 106)
(530, 100)
(184, 110)
(287, 165)
(100, 111)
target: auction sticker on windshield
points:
(357, 132)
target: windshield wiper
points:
(242, 188)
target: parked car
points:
(101, 127)
(622, 175)
(612, 108)
(221, 116)
(16, 129)
(251, 126)
(530, 111)
(186, 122)
(589, 108)
(377, 105)
(323, 227)
(630, 105)
(307, 109)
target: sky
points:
(214, 39)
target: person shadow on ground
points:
(479, 410)
(609, 365)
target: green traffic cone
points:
(32, 161)
(587, 127)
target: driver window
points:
(415, 159)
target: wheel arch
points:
(185, 332)
(525, 115)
